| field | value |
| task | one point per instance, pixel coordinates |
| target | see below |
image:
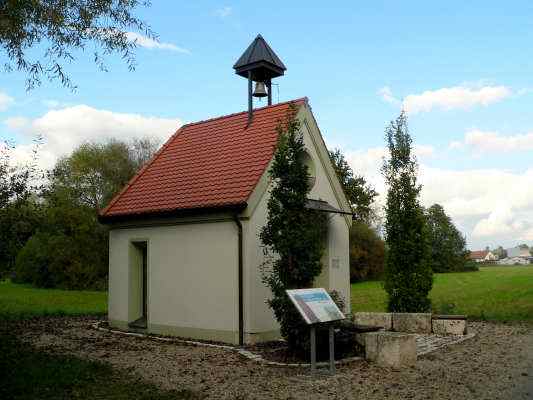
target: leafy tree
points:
(500, 252)
(448, 245)
(19, 206)
(95, 172)
(70, 248)
(408, 275)
(367, 252)
(293, 235)
(60, 28)
(359, 193)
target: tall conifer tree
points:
(408, 275)
(293, 234)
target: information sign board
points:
(315, 305)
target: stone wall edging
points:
(245, 353)
(407, 322)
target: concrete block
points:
(411, 322)
(390, 349)
(383, 320)
(449, 327)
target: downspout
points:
(240, 280)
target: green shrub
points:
(469, 266)
(60, 261)
(70, 251)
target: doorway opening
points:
(139, 285)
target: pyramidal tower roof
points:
(257, 57)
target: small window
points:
(308, 161)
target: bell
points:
(260, 90)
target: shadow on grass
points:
(27, 373)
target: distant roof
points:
(212, 164)
(476, 255)
(257, 56)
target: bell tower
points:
(259, 64)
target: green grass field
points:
(493, 293)
(19, 301)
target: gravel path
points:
(496, 364)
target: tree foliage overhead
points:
(408, 275)
(293, 235)
(56, 29)
(448, 245)
(359, 193)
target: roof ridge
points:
(305, 99)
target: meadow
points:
(20, 301)
(501, 293)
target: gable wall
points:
(258, 316)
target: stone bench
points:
(381, 320)
(446, 325)
(389, 349)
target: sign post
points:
(313, 349)
(317, 307)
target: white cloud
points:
(149, 43)
(501, 221)
(65, 129)
(490, 206)
(17, 123)
(457, 97)
(5, 101)
(386, 94)
(489, 141)
(223, 12)
(450, 98)
(456, 145)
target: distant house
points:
(518, 252)
(514, 261)
(482, 256)
(517, 256)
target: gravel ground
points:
(496, 364)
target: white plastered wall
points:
(336, 275)
(192, 278)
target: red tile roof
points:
(478, 255)
(208, 164)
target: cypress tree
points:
(408, 275)
(293, 235)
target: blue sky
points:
(462, 71)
